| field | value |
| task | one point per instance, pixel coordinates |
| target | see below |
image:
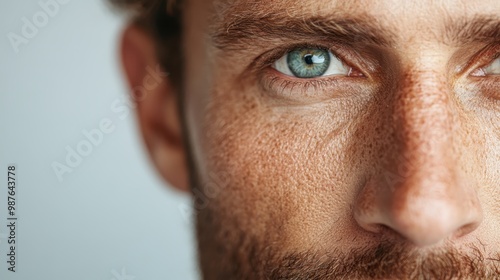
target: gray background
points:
(112, 217)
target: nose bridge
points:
(422, 149)
(422, 117)
(423, 158)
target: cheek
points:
(480, 146)
(285, 167)
(488, 127)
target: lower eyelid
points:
(278, 85)
(484, 89)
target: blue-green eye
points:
(493, 68)
(310, 63)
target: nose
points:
(421, 191)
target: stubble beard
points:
(227, 252)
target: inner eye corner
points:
(355, 72)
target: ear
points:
(156, 104)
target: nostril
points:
(375, 223)
(369, 221)
(466, 229)
(386, 231)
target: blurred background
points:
(89, 204)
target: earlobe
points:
(156, 104)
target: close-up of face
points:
(328, 139)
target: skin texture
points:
(393, 174)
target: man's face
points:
(355, 139)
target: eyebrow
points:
(482, 28)
(243, 30)
(238, 32)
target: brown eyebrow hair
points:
(483, 28)
(239, 31)
(242, 30)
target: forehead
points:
(406, 20)
(382, 8)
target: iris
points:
(308, 63)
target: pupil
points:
(308, 58)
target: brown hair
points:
(162, 20)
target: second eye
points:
(310, 63)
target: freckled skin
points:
(414, 162)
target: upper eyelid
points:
(479, 59)
(490, 55)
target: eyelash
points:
(282, 84)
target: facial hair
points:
(226, 252)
